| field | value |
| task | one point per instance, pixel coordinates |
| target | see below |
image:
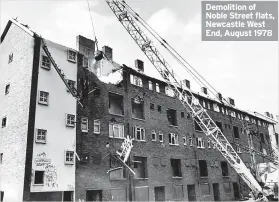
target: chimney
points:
(204, 90)
(107, 51)
(231, 101)
(85, 46)
(220, 97)
(186, 83)
(267, 114)
(139, 65)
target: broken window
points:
(41, 135)
(262, 138)
(84, 124)
(176, 167)
(200, 142)
(178, 192)
(205, 191)
(203, 168)
(137, 109)
(152, 106)
(173, 139)
(69, 157)
(94, 195)
(39, 177)
(235, 132)
(4, 122)
(159, 108)
(150, 85)
(116, 130)
(140, 167)
(45, 62)
(161, 137)
(72, 56)
(119, 171)
(153, 135)
(11, 56)
(68, 195)
(227, 187)
(138, 133)
(157, 88)
(169, 91)
(171, 114)
(116, 104)
(219, 124)
(7, 89)
(197, 127)
(97, 126)
(225, 169)
(135, 80)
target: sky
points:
(245, 71)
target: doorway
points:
(94, 195)
(216, 192)
(191, 192)
(159, 193)
(236, 191)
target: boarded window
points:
(141, 194)
(203, 168)
(178, 192)
(140, 167)
(205, 191)
(176, 167)
(119, 172)
(171, 114)
(227, 187)
(235, 132)
(116, 104)
(137, 109)
(118, 195)
(94, 195)
(225, 169)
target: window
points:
(152, 106)
(227, 187)
(182, 115)
(173, 139)
(116, 130)
(262, 138)
(235, 132)
(139, 133)
(85, 61)
(216, 107)
(39, 177)
(188, 116)
(190, 141)
(84, 124)
(137, 109)
(238, 149)
(157, 88)
(68, 195)
(205, 191)
(200, 142)
(11, 56)
(161, 137)
(171, 114)
(229, 126)
(97, 126)
(4, 122)
(7, 89)
(1, 158)
(117, 174)
(69, 157)
(178, 192)
(153, 135)
(41, 135)
(140, 167)
(72, 56)
(209, 144)
(159, 108)
(197, 127)
(225, 169)
(169, 91)
(43, 97)
(203, 168)
(184, 140)
(45, 62)
(70, 120)
(71, 84)
(209, 105)
(116, 104)
(176, 167)
(135, 80)
(219, 124)
(150, 85)
(264, 151)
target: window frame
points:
(72, 162)
(176, 139)
(44, 64)
(72, 122)
(185, 140)
(140, 129)
(153, 132)
(157, 87)
(38, 130)
(161, 134)
(43, 102)
(97, 122)
(136, 80)
(201, 141)
(150, 85)
(7, 88)
(121, 129)
(84, 120)
(69, 56)
(41, 184)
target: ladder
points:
(188, 100)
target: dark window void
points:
(276, 138)
(152, 106)
(262, 138)
(119, 173)
(171, 114)
(137, 109)
(236, 132)
(176, 167)
(39, 177)
(197, 127)
(203, 168)
(219, 124)
(1, 196)
(97, 92)
(140, 167)
(159, 108)
(68, 196)
(182, 114)
(191, 192)
(4, 122)
(116, 104)
(94, 195)
(7, 89)
(225, 169)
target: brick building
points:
(52, 148)
(172, 158)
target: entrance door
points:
(94, 195)
(159, 193)
(191, 192)
(236, 191)
(216, 192)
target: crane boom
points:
(188, 100)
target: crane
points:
(128, 18)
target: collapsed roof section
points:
(115, 77)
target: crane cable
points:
(94, 34)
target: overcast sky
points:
(245, 71)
